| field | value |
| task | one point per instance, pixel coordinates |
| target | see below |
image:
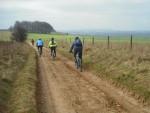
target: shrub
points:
(19, 33)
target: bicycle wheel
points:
(78, 62)
(53, 55)
(40, 51)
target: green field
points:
(5, 36)
(88, 38)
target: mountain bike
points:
(52, 53)
(40, 51)
(78, 62)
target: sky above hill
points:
(79, 14)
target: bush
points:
(19, 33)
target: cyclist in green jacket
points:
(52, 45)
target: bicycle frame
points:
(52, 54)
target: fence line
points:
(109, 41)
(94, 39)
(131, 42)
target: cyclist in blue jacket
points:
(77, 47)
(39, 44)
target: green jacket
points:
(52, 45)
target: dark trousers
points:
(40, 48)
(53, 49)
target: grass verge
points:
(17, 78)
(23, 96)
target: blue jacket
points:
(39, 42)
(77, 45)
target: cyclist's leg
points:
(53, 54)
(75, 53)
(80, 54)
(41, 49)
(51, 50)
(55, 51)
(38, 48)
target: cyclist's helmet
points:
(76, 38)
(52, 38)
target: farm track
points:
(65, 90)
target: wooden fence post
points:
(108, 42)
(131, 42)
(66, 41)
(70, 40)
(93, 40)
(83, 41)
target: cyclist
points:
(40, 44)
(32, 41)
(77, 48)
(52, 45)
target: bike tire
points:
(78, 63)
(53, 55)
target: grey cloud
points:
(125, 14)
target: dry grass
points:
(5, 35)
(24, 87)
(13, 58)
(10, 61)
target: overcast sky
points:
(79, 14)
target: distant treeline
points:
(35, 27)
(4, 30)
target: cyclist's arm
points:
(36, 43)
(72, 46)
(42, 43)
(49, 44)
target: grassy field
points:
(17, 78)
(89, 39)
(125, 67)
(5, 35)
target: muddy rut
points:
(65, 90)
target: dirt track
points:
(65, 90)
